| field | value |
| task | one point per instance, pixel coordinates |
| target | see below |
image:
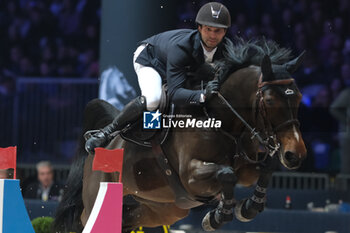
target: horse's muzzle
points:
(292, 160)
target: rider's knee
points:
(152, 103)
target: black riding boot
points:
(131, 112)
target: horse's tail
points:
(68, 213)
(98, 114)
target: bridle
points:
(269, 142)
(261, 104)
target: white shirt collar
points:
(208, 56)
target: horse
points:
(257, 106)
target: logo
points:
(192, 123)
(215, 14)
(289, 92)
(151, 120)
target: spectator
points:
(69, 19)
(45, 188)
(340, 109)
(4, 174)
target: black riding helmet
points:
(214, 14)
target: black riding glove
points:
(212, 88)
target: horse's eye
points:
(269, 101)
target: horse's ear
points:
(266, 69)
(294, 64)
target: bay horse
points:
(257, 105)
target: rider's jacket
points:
(174, 54)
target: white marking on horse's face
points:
(296, 135)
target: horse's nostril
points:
(290, 157)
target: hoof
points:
(238, 211)
(209, 223)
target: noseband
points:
(270, 141)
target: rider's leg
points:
(150, 84)
(131, 112)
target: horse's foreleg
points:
(213, 178)
(224, 211)
(248, 208)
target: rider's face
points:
(211, 36)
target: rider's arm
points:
(177, 60)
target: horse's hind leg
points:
(150, 214)
(248, 208)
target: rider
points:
(169, 56)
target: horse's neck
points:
(243, 96)
(241, 86)
(239, 90)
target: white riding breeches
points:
(149, 80)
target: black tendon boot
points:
(131, 112)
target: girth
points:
(183, 199)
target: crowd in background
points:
(61, 39)
(48, 39)
(58, 38)
(322, 29)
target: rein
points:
(270, 142)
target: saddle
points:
(154, 139)
(146, 137)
